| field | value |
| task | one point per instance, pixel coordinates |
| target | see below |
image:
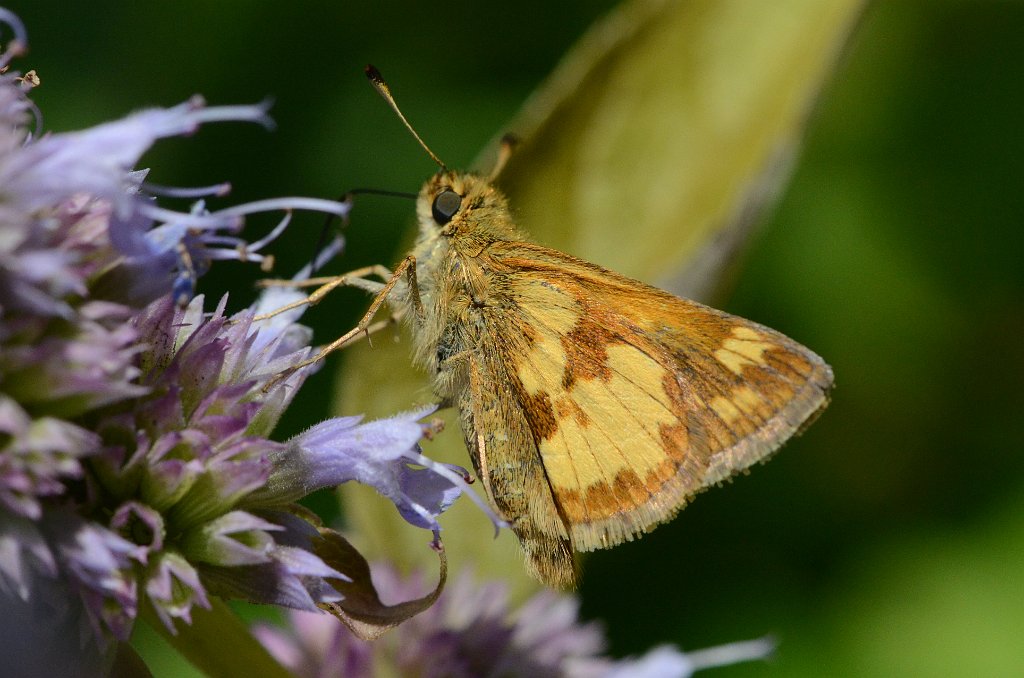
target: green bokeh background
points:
(890, 539)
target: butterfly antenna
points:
(505, 151)
(325, 231)
(377, 80)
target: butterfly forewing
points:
(634, 399)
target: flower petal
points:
(361, 609)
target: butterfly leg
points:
(478, 427)
(365, 326)
(325, 285)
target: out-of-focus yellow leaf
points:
(653, 146)
(649, 150)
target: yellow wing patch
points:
(745, 347)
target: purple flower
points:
(472, 631)
(383, 454)
(40, 454)
(136, 464)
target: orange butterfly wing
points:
(632, 399)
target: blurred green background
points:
(889, 540)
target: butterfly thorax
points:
(453, 266)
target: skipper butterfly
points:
(594, 406)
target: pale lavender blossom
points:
(136, 465)
(473, 632)
(382, 454)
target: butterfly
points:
(594, 406)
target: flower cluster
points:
(137, 472)
(472, 632)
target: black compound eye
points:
(446, 204)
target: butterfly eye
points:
(446, 204)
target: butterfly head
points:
(453, 204)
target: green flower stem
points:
(218, 643)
